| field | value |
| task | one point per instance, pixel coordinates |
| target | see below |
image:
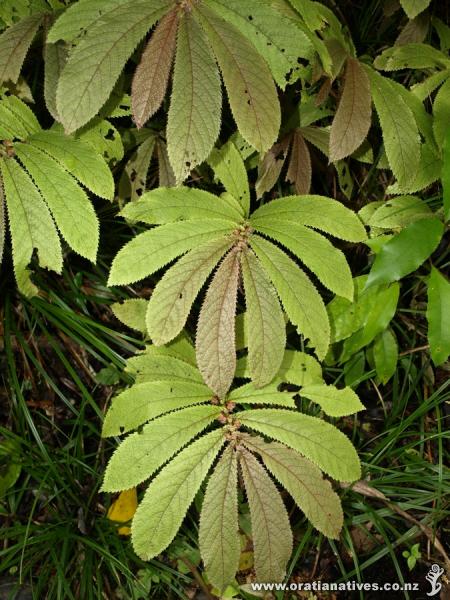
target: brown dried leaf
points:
(353, 117)
(270, 168)
(152, 74)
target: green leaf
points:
(166, 205)
(333, 401)
(141, 454)
(14, 44)
(319, 441)
(414, 7)
(68, 203)
(131, 313)
(446, 176)
(193, 121)
(319, 212)
(55, 57)
(305, 483)
(377, 308)
(300, 369)
(315, 251)
(171, 362)
(385, 355)
(104, 138)
(18, 117)
(2, 221)
(219, 539)
(265, 321)
(441, 113)
(79, 158)
(73, 23)
(251, 91)
(275, 36)
(406, 251)
(400, 134)
(301, 301)
(215, 341)
(152, 74)
(167, 499)
(438, 316)
(145, 401)
(411, 56)
(153, 249)
(229, 168)
(31, 225)
(271, 532)
(354, 114)
(269, 394)
(96, 61)
(399, 212)
(173, 296)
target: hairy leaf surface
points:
(319, 441)
(305, 483)
(173, 296)
(219, 529)
(141, 454)
(14, 44)
(269, 394)
(151, 250)
(267, 331)
(215, 341)
(194, 115)
(152, 74)
(333, 401)
(168, 497)
(299, 297)
(271, 532)
(353, 117)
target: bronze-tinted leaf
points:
(216, 343)
(353, 117)
(152, 74)
(299, 170)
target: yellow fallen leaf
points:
(122, 510)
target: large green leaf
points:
(269, 394)
(218, 534)
(276, 37)
(398, 125)
(153, 249)
(445, 176)
(441, 113)
(68, 203)
(215, 342)
(271, 532)
(385, 355)
(173, 296)
(166, 205)
(319, 212)
(166, 363)
(399, 212)
(79, 158)
(412, 56)
(414, 7)
(141, 454)
(315, 251)
(406, 251)
(131, 312)
(152, 74)
(229, 168)
(301, 301)
(438, 315)
(193, 121)
(14, 44)
(319, 441)
(18, 117)
(96, 61)
(31, 225)
(305, 483)
(353, 117)
(333, 401)
(251, 91)
(267, 330)
(168, 497)
(145, 401)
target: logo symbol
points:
(432, 577)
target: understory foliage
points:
(211, 126)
